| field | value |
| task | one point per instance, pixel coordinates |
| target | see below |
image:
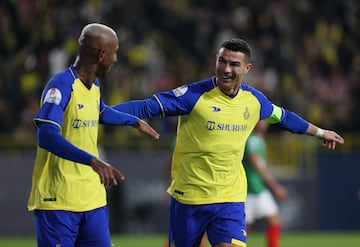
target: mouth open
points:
(227, 78)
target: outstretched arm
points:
(294, 123)
(111, 116)
(144, 109)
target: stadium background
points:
(306, 56)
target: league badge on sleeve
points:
(179, 91)
(53, 95)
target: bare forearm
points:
(313, 130)
(329, 138)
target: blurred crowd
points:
(306, 54)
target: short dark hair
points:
(237, 44)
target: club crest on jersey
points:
(246, 113)
(53, 96)
(179, 91)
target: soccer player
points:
(68, 194)
(216, 117)
(260, 202)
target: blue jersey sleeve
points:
(287, 120)
(274, 114)
(174, 102)
(50, 139)
(111, 116)
(54, 100)
(144, 109)
(293, 122)
(181, 100)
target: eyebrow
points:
(231, 62)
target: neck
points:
(86, 73)
(230, 92)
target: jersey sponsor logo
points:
(53, 96)
(215, 108)
(79, 123)
(213, 126)
(80, 106)
(179, 91)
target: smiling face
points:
(231, 67)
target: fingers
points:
(106, 177)
(147, 129)
(111, 175)
(332, 136)
(339, 139)
(329, 144)
(118, 174)
(155, 135)
(110, 181)
(330, 140)
(107, 173)
(102, 177)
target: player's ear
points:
(248, 67)
(101, 55)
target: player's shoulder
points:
(254, 91)
(247, 87)
(59, 86)
(61, 80)
(203, 85)
(194, 88)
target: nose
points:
(227, 68)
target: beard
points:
(101, 72)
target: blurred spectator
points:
(301, 43)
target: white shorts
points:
(260, 206)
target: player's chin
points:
(101, 73)
(226, 84)
(225, 81)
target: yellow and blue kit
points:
(67, 124)
(212, 131)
